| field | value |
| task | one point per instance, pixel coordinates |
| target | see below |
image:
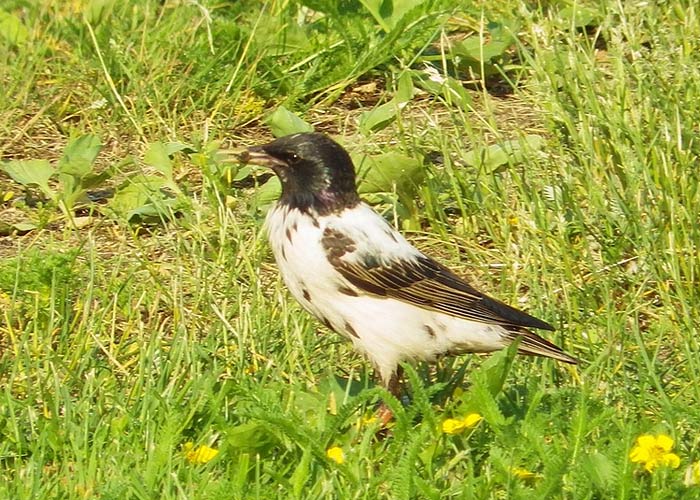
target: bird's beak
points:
(256, 155)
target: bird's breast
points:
(295, 239)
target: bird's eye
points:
(293, 158)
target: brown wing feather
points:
(427, 284)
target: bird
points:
(353, 271)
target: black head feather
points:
(315, 171)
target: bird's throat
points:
(322, 202)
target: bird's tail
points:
(534, 345)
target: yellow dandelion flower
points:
(368, 420)
(336, 454)
(692, 475)
(522, 473)
(199, 455)
(654, 451)
(472, 419)
(5, 300)
(454, 426)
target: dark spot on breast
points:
(429, 329)
(282, 253)
(288, 233)
(336, 244)
(314, 221)
(306, 294)
(345, 290)
(351, 330)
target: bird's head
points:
(315, 171)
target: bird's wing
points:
(376, 259)
(425, 283)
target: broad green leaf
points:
(489, 157)
(137, 192)
(500, 39)
(23, 227)
(7, 229)
(157, 157)
(389, 171)
(504, 31)
(126, 199)
(386, 177)
(268, 193)
(493, 372)
(12, 29)
(250, 436)
(481, 54)
(388, 13)
(93, 180)
(471, 48)
(155, 211)
(175, 147)
(70, 190)
(578, 16)
(242, 173)
(283, 122)
(404, 91)
(310, 403)
(379, 117)
(508, 152)
(118, 424)
(340, 388)
(31, 172)
(446, 87)
(79, 155)
(455, 93)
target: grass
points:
(121, 342)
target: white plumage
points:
(384, 329)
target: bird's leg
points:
(384, 413)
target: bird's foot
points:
(384, 415)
